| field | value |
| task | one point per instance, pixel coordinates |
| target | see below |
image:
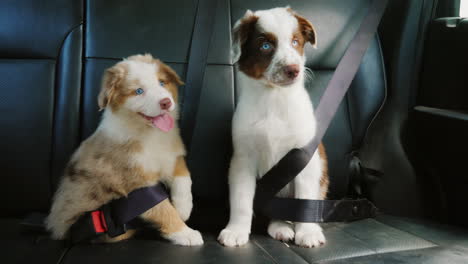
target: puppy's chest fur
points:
(269, 123)
(159, 154)
(124, 165)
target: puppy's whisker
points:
(309, 75)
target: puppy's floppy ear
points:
(112, 78)
(240, 33)
(170, 73)
(307, 29)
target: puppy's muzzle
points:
(291, 71)
(165, 103)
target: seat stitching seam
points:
(62, 256)
(408, 232)
(265, 251)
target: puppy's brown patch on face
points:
(306, 29)
(170, 79)
(114, 91)
(254, 60)
(165, 73)
(297, 35)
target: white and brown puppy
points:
(137, 144)
(274, 115)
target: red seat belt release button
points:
(99, 222)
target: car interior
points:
(404, 121)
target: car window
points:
(464, 8)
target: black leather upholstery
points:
(29, 153)
(40, 67)
(19, 247)
(52, 56)
(67, 102)
(369, 241)
(449, 245)
(119, 28)
(36, 29)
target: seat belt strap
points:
(319, 211)
(198, 56)
(115, 217)
(297, 159)
(125, 209)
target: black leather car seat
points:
(40, 73)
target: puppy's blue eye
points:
(295, 42)
(162, 83)
(139, 91)
(266, 46)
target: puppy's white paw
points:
(186, 237)
(309, 236)
(280, 230)
(183, 205)
(231, 238)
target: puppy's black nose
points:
(291, 71)
(165, 103)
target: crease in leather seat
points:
(58, 111)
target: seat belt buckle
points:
(99, 222)
(112, 228)
(94, 224)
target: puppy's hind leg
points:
(70, 201)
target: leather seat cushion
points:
(24, 248)
(367, 241)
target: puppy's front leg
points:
(242, 182)
(165, 217)
(181, 189)
(307, 186)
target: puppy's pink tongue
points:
(165, 122)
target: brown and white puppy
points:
(274, 115)
(137, 144)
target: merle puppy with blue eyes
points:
(274, 114)
(137, 144)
